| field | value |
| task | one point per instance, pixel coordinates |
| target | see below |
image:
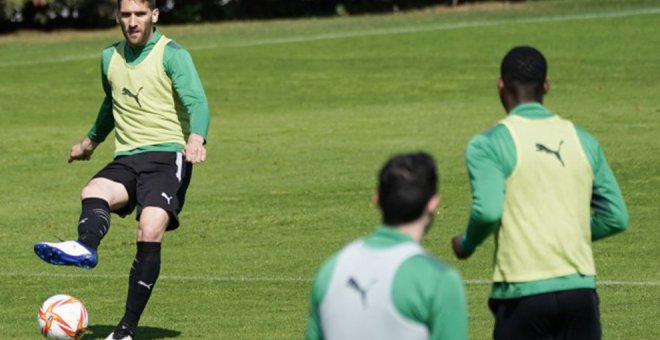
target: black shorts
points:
(152, 179)
(570, 314)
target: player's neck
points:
(510, 99)
(513, 104)
(415, 229)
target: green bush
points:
(7, 10)
(96, 13)
(214, 10)
(99, 13)
(68, 13)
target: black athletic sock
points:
(143, 277)
(94, 222)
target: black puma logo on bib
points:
(541, 147)
(362, 291)
(128, 92)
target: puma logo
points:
(83, 220)
(142, 283)
(541, 147)
(362, 291)
(168, 198)
(128, 92)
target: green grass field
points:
(304, 112)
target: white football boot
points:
(67, 253)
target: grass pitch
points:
(304, 112)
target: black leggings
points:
(570, 314)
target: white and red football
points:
(62, 317)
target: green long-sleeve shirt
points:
(491, 158)
(179, 67)
(424, 290)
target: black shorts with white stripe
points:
(152, 179)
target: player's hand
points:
(456, 245)
(82, 151)
(195, 151)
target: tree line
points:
(53, 14)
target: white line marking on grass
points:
(165, 277)
(203, 278)
(66, 59)
(626, 283)
(377, 32)
(437, 27)
(598, 283)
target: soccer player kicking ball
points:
(155, 102)
(385, 286)
(544, 188)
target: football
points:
(62, 317)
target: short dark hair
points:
(524, 68)
(406, 183)
(152, 3)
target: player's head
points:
(407, 184)
(137, 19)
(150, 3)
(523, 76)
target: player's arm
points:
(609, 213)
(429, 292)
(314, 331)
(104, 122)
(313, 320)
(82, 151)
(180, 68)
(319, 288)
(449, 309)
(487, 180)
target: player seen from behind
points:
(385, 286)
(544, 188)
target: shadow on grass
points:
(144, 332)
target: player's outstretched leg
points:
(93, 224)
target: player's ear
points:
(500, 84)
(546, 86)
(154, 15)
(375, 199)
(433, 203)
